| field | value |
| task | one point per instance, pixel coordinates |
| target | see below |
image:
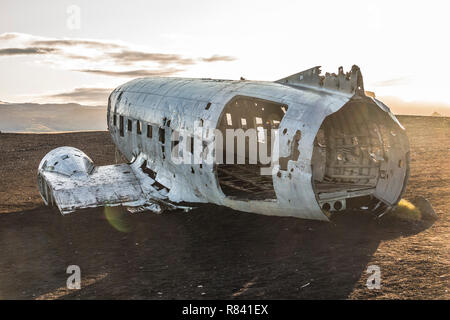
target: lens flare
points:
(117, 218)
(407, 210)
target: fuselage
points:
(307, 146)
(303, 181)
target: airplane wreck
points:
(308, 146)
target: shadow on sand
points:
(209, 253)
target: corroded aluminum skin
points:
(74, 182)
(70, 179)
(183, 102)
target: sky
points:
(78, 51)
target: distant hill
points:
(399, 106)
(34, 117)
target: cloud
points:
(32, 40)
(134, 73)
(76, 42)
(98, 95)
(78, 57)
(102, 57)
(25, 51)
(216, 58)
(8, 36)
(129, 56)
(393, 82)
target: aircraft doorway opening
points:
(239, 173)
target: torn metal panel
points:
(347, 83)
(332, 146)
(69, 180)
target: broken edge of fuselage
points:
(69, 180)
